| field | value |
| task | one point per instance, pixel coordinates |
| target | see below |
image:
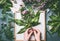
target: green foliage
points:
(20, 22)
(5, 3)
(55, 18)
(55, 23)
(29, 19)
(36, 4)
(6, 27)
(6, 19)
(53, 5)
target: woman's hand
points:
(28, 34)
(37, 34)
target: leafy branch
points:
(29, 19)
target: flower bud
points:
(24, 12)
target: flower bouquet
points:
(28, 20)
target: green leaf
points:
(55, 29)
(20, 22)
(55, 23)
(22, 9)
(52, 17)
(52, 23)
(8, 5)
(9, 14)
(34, 24)
(8, 33)
(22, 30)
(30, 9)
(37, 14)
(36, 18)
(2, 1)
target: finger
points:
(36, 29)
(27, 30)
(35, 33)
(30, 33)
